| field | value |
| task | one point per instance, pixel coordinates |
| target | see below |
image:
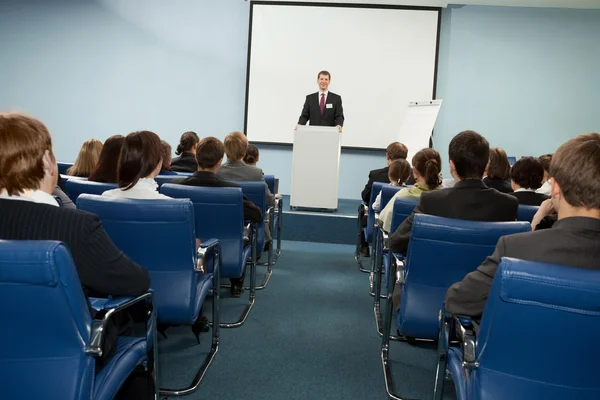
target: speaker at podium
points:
(315, 168)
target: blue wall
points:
(525, 78)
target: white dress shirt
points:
(524, 190)
(145, 188)
(36, 196)
(546, 188)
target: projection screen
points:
(380, 59)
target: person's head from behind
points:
(210, 154)
(527, 173)
(188, 143)
(236, 145)
(399, 172)
(323, 80)
(87, 159)
(27, 162)
(252, 155)
(106, 169)
(166, 156)
(546, 159)
(396, 151)
(498, 167)
(469, 153)
(141, 157)
(427, 165)
(574, 173)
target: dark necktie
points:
(322, 103)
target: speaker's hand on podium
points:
(339, 128)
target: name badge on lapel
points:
(329, 105)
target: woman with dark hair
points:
(106, 169)
(252, 155)
(546, 159)
(166, 157)
(526, 176)
(497, 171)
(427, 165)
(139, 163)
(186, 150)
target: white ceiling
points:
(590, 4)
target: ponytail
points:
(187, 141)
(432, 173)
(428, 163)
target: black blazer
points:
(208, 179)
(380, 175)
(332, 116)
(469, 199)
(498, 184)
(186, 162)
(530, 198)
(571, 242)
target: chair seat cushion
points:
(131, 351)
(457, 371)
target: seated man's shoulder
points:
(505, 197)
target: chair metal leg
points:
(443, 344)
(216, 334)
(152, 353)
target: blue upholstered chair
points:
(441, 252)
(278, 220)
(49, 341)
(537, 338)
(219, 213)
(526, 213)
(512, 160)
(160, 236)
(367, 209)
(77, 187)
(162, 179)
(63, 167)
(387, 192)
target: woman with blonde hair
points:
(86, 159)
(427, 165)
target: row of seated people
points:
(572, 214)
(28, 211)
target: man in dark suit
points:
(323, 108)
(572, 240)
(526, 176)
(29, 212)
(209, 156)
(469, 199)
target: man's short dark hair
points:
(209, 152)
(528, 173)
(546, 159)
(470, 152)
(324, 73)
(396, 151)
(499, 166)
(576, 168)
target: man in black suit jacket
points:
(572, 240)
(323, 108)
(209, 156)
(469, 199)
(526, 176)
(394, 151)
(29, 212)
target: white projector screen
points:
(380, 59)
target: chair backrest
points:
(526, 213)
(512, 160)
(441, 252)
(63, 167)
(77, 187)
(270, 179)
(256, 192)
(375, 189)
(219, 214)
(45, 323)
(402, 210)
(538, 334)
(158, 235)
(162, 179)
(387, 192)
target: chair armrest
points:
(400, 270)
(208, 246)
(111, 306)
(464, 328)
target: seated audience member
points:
(86, 159)
(427, 165)
(139, 163)
(186, 150)
(469, 199)
(572, 241)
(61, 198)
(546, 159)
(166, 157)
(399, 172)
(209, 156)
(497, 172)
(526, 176)
(106, 169)
(252, 155)
(29, 212)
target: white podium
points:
(315, 167)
